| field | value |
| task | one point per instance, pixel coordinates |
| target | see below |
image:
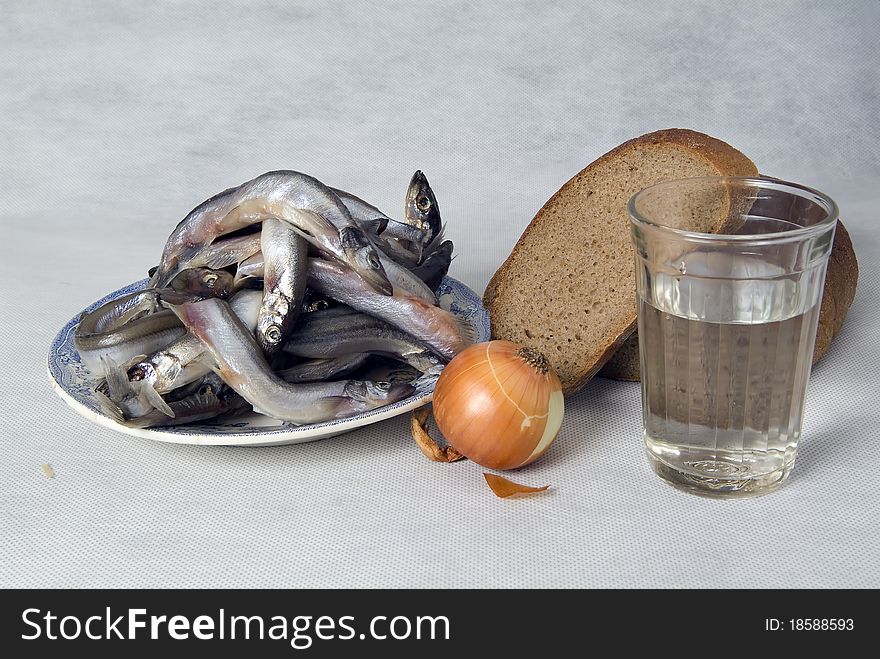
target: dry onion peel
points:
(426, 443)
(500, 404)
(505, 488)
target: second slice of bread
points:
(568, 287)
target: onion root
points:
(426, 443)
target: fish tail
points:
(465, 330)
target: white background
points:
(115, 120)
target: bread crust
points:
(840, 290)
(726, 160)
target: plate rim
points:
(273, 435)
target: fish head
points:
(143, 371)
(272, 322)
(420, 208)
(371, 394)
(204, 282)
(269, 335)
(313, 303)
(123, 398)
(361, 255)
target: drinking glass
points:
(729, 276)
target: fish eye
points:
(374, 261)
(210, 279)
(423, 204)
(273, 333)
(206, 389)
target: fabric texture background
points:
(117, 119)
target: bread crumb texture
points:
(568, 287)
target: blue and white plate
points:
(75, 384)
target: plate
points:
(74, 383)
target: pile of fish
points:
(271, 296)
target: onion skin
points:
(499, 404)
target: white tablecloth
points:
(117, 119)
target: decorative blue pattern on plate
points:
(74, 383)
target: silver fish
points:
(118, 312)
(178, 363)
(122, 399)
(230, 251)
(202, 282)
(421, 210)
(438, 329)
(129, 333)
(285, 258)
(209, 382)
(240, 362)
(339, 331)
(302, 200)
(200, 406)
(395, 249)
(130, 388)
(316, 370)
(435, 265)
(404, 241)
(403, 280)
(364, 214)
(422, 213)
(386, 231)
(141, 336)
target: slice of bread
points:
(568, 287)
(837, 296)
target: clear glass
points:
(727, 324)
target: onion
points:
(499, 404)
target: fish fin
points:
(206, 399)
(170, 298)
(117, 379)
(337, 407)
(224, 260)
(436, 265)
(435, 244)
(131, 362)
(150, 395)
(376, 225)
(259, 411)
(306, 218)
(110, 408)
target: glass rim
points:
(636, 218)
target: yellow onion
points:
(499, 404)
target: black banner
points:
(431, 623)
